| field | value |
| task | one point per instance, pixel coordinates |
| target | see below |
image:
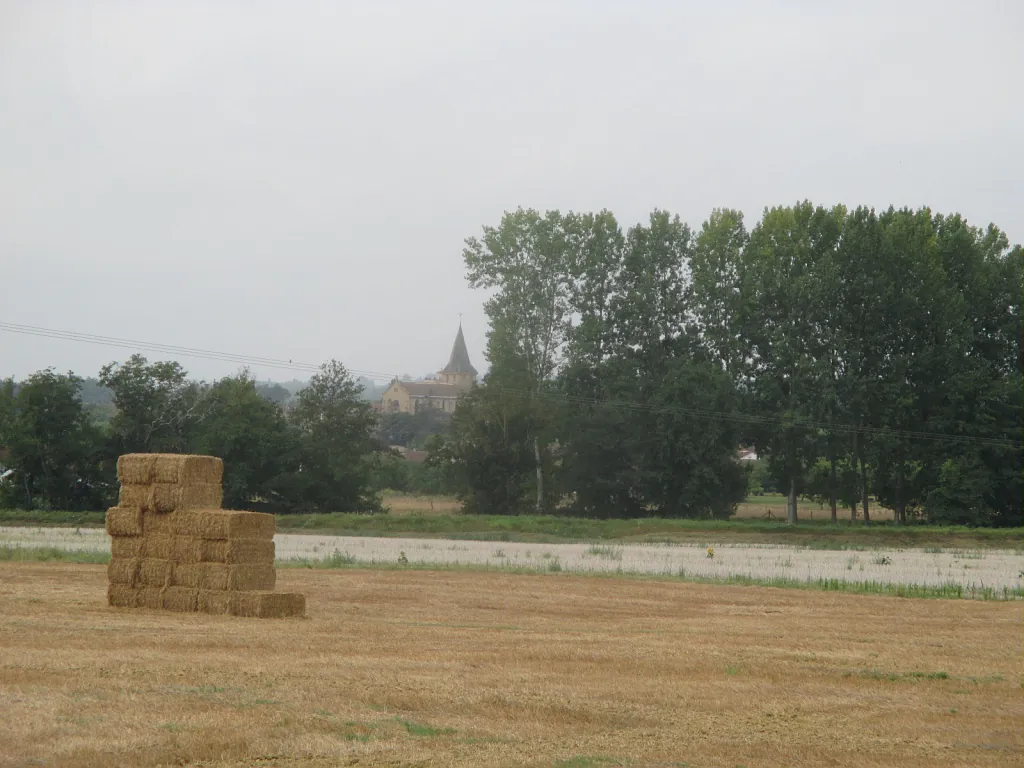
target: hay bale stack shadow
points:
(173, 548)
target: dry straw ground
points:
(762, 507)
(477, 669)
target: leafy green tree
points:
(411, 430)
(157, 406)
(274, 392)
(489, 452)
(780, 284)
(633, 440)
(54, 449)
(525, 261)
(252, 436)
(717, 300)
(689, 457)
(437, 474)
(337, 450)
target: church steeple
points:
(459, 360)
(459, 370)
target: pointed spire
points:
(459, 360)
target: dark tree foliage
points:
(53, 448)
(871, 357)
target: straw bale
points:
(236, 577)
(168, 497)
(126, 547)
(217, 602)
(134, 495)
(190, 575)
(269, 605)
(136, 468)
(124, 521)
(247, 577)
(227, 524)
(155, 573)
(188, 469)
(123, 571)
(180, 599)
(171, 599)
(148, 597)
(238, 551)
(121, 596)
(189, 550)
(159, 523)
(143, 468)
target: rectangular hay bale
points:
(181, 599)
(189, 575)
(269, 605)
(188, 550)
(149, 597)
(155, 573)
(121, 596)
(216, 602)
(217, 576)
(226, 524)
(144, 468)
(169, 497)
(123, 571)
(133, 495)
(124, 521)
(126, 547)
(238, 551)
(159, 523)
(136, 468)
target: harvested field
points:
(989, 569)
(480, 669)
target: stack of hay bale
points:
(172, 546)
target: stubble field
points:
(474, 669)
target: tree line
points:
(869, 357)
(320, 453)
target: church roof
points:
(429, 389)
(459, 360)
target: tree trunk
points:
(864, 485)
(791, 501)
(540, 476)
(900, 513)
(856, 453)
(832, 484)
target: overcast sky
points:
(295, 179)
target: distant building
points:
(454, 380)
(747, 454)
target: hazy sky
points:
(295, 179)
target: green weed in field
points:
(604, 551)
(418, 729)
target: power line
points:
(170, 349)
(113, 341)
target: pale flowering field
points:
(931, 567)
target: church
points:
(455, 379)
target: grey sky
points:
(295, 179)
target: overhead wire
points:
(206, 354)
(279, 363)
